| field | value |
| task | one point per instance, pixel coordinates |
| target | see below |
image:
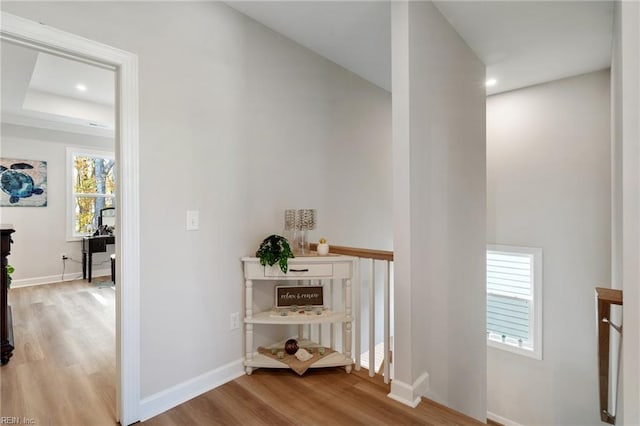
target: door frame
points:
(28, 33)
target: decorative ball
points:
(322, 241)
(291, 346)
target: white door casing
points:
(42, 37)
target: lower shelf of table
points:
(334, 359)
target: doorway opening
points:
(20, 31)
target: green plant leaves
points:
(10, 270)
(275, 248)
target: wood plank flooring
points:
(320, 397)
(63, 373)
(63, 368)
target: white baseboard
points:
(27, 282)
(502, 420)
(410, 394)
(167, 399)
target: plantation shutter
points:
(509, 294)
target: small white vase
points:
(323, 249)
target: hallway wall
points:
(548, 181)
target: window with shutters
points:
(514, 299)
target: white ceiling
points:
(353, 34)
(60, 76)
(521, 42)
(528, 42)
(39, 90)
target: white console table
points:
(312, 267)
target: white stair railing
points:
(379, 291)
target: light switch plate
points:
(234, 321)
(193, 220)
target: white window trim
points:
(536, 317)
(71, 152)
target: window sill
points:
(515, 349)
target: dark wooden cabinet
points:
(6, 326)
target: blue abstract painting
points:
(23, 183)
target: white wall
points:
(626, 143)
(236, 121)
(439, 211)
(615, 400)
(548, 181)
(40, 235)
(359, 172)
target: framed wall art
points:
(23, 183)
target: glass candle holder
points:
(305, 221)
(301, 242)
(289, 231)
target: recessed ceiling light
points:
(81, 87)
(491, 82)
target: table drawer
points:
(99, 244)
(301, 270)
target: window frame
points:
(535, 314)
(71, 196)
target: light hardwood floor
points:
(63, 368)
(63, 373)
(320, 397)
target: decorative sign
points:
(299, 296)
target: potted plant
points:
(10, 270)
(275, 248)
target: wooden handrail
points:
(609, 295)
(605, 297)
(359, 252)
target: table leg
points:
(84, 265)
(90, 261)
(248, 327)
(347, 331)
